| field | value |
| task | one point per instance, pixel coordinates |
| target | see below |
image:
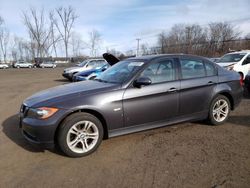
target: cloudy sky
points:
(121, 22)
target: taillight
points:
(241, 80)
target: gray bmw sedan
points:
(133, 95)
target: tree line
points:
(51, 32)
(215, 39)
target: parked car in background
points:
(89, 74)
(22, 64)
(4, 66)
(237, 61)
(85, 65)
(247, 82)
(214, 59)
(133, 95)
(93, 73)
(47, 64)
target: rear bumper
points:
(247, 80)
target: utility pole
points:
(138, 46)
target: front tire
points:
(80, 134)
(219, 110)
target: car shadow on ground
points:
(62, 80)
(240, 120)
(13, 132)
(246, 93)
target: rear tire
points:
(219, 110)
(80, 134)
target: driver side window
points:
(159, 72)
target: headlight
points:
(230, 67)
(41, 113)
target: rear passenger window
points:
(192, 68)
(210, 69)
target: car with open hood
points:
(83, 66)
(135, 94)
(93, 73)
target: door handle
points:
(210, 83)
(171, 90)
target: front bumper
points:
(41, 132)
(78, 78)
(67, 75)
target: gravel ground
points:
(182, 155)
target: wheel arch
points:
(229, 96)
(90, 111)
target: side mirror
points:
(142, 81)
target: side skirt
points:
(153, 125)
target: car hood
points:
(111, 59)
(226, 64)
(62, 92)
(72, 68)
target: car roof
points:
(238, 52)
(154, 57)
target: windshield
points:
(231, 58)
(82, 63)
(120, 72)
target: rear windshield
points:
(231, 58)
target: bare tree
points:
(77, 44)
(1, 21)
(39, 31)
(94, 42)
(66, 17)
(55, 37)
(219, 35)
(144, 49)
(115, 52)
(162, 41)
(4, 39)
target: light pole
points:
(138, 46)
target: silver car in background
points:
(48, 64)
(22, 64)
(3, 66)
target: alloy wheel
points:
(220, 110)
(82, 136)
